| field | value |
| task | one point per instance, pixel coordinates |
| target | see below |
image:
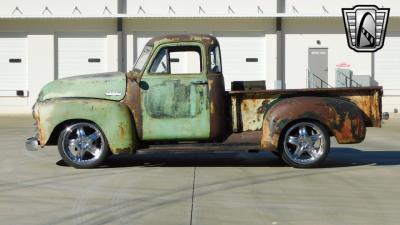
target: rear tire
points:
(83, 145)
(305, 145)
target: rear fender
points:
(342, 118)
(114, 119)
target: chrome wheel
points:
(82, 145)
(305, 144)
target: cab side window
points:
(215, 57)
(177, 60)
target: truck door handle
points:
(199, 82)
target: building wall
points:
(41, 36)
(147, 28)
(200, 7)
(302, 34)
(329, 7)
(387, 67)
(305, 25)
(58, 7)
(183, 8)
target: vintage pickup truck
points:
(175, 96)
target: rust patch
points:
(252, 112)
(132, 100)
(121, 150)
(261, 109)
(343, 118)
(40, 131)
(218, 107)
(121, 131)
(363, 106)
(265, 138)
(206, 40)
(345, 133)
(370, 104)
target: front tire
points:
(83, 145)
(305, 145)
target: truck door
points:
(174, 94)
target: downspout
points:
(280, 55)
(280, 47)
(121, 45)
(122, 65)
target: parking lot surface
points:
(358, 184)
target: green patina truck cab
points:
(175, 93)
(173, 104)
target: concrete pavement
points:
(359, 184)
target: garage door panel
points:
(13, 73)
(81, 55)
(243, 56)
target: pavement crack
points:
(194, 182)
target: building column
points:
(280, 55)
(121, 45)
(122, 51)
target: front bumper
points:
(32, 144)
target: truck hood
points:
(111, 86)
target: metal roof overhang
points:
(148, 16)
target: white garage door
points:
(243, 56)
(387, 66)
(13, 64)
(81, 55)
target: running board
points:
(200, 147)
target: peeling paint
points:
(345, 112)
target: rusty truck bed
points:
(249, 107)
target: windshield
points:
(142, 58)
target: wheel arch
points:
(341, 118)
(113, 118)
(61, 126)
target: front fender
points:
(342, 118)
(114, 118)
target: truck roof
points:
(203, 38)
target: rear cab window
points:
(215, 59)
